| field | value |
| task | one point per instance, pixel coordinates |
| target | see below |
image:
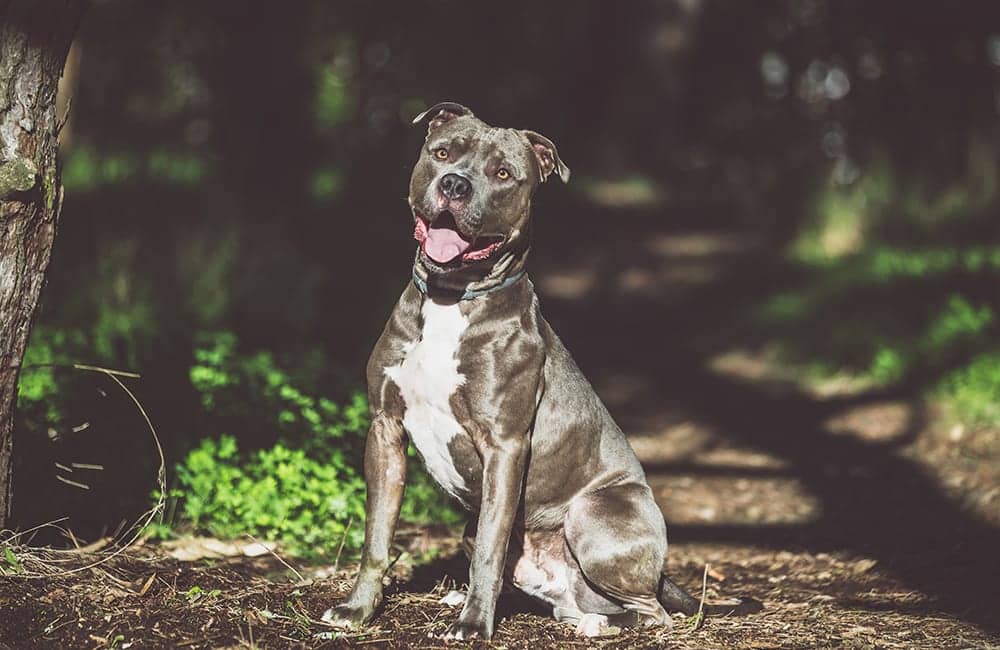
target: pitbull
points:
(470, 372)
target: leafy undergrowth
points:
(893, 288)
(305, 491)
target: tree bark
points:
(35, 36)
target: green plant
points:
(196, 593)
(12, 561)
(974, 390)
(304, 489)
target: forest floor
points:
(859, 518)
(829, 598)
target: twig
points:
(277, 557)
(98, 468)
(161, 477)
(15, 536)
(701, 605)
(76, 484)
(80, 366)
(94, 546)
(336, 560)
(120, 373)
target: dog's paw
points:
(469, 630)
(591, 625)
(453, 599)
(347, 617)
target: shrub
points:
(305, 487)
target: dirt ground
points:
(860, 518)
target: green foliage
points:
(12, 561)
(843, 217)
(305, 490)
(850, 218)
(196, 593)
(974, 390)
(892, 284)
(86, 169)
(38, 396)
(276, 494)
(890, 263)
(333, 101)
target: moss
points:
(17, 175)
(50, 190)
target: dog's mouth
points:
(443, 242)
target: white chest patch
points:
(427, 378)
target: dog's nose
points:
(454, 186)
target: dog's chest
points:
(427, 378)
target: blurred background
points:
(778, 257)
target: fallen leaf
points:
(863, 566)
(147, 585)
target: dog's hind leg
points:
(618, 537)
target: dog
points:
(470, 372)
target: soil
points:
(859, 518)
(811, 600)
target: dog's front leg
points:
(503, 473)
(385, 477)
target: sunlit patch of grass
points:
(892, 314)
(843, 217)
(974, 390)
(849, 219)
(887, 263)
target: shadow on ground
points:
(660, 298)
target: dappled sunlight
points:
(568, 284)
(704, 498)
(776, 260)
(623, 193)
(879, 422)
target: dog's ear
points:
(441, 113)
(547, 156)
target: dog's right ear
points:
(442, 112)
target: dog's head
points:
(471, 188)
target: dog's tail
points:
(673, 597)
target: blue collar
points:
(469, 293)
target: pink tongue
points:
(444, 244)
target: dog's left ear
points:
(442, 112)
(547, 156)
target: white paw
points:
(343, 617)
(329, 616)
(592, 625)
(453, 599)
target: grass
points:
(889, 285)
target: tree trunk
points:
(34, 38)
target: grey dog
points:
(469, 370)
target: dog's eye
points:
(503, 174)
(441, 153)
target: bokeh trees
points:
(236, 169)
